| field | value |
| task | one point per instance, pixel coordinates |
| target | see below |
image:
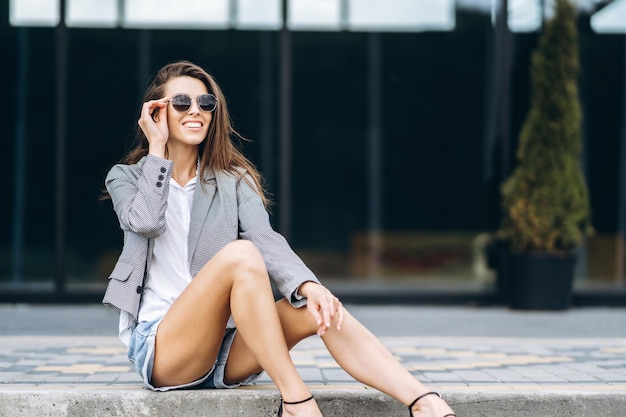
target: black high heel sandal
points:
(280, 409)
(422, 396)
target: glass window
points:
(371, 15)
(92, 232)
(525, 15)
(401, 15)
(259, 14)
(611, 19)
(603, 93)
(92, 13)
(329, 136)
(169, 14)
(314, 14)
(28, 217)
(34, 12)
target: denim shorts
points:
(141, 354)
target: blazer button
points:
(161, 177)
(139, 290)
(159, 184)
(163, 170)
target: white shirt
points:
(169, 269)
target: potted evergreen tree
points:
(545, 200)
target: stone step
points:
(101, 401)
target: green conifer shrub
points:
(545, 200)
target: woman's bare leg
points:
(234, 281)
(365, 358)
(356, 350)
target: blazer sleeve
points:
(139, 194)
(285, 268)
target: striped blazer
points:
(225, 208)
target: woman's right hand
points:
(155, 127)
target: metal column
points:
(61, 102)
(284, 197)
(621, 191)
(20, 156)
(374, 154)
(503, 35)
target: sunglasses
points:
(182, 102)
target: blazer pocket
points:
(122, 271)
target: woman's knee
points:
(243, 256)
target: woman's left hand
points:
(325, 308)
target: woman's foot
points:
(430, 405)
(303, 408)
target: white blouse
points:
(169, 268)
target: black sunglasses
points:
(182, 102)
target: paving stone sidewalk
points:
(501, 363)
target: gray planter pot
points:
(540, 280)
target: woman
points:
(193, 281)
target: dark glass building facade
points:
(386, 173)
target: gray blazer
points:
(224, 209)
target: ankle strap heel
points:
(422, 396)
(280, 408)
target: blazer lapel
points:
(202, 199)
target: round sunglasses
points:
(182, 102)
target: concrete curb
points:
(115, 402)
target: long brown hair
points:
(217, 151)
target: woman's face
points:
(192, 125)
